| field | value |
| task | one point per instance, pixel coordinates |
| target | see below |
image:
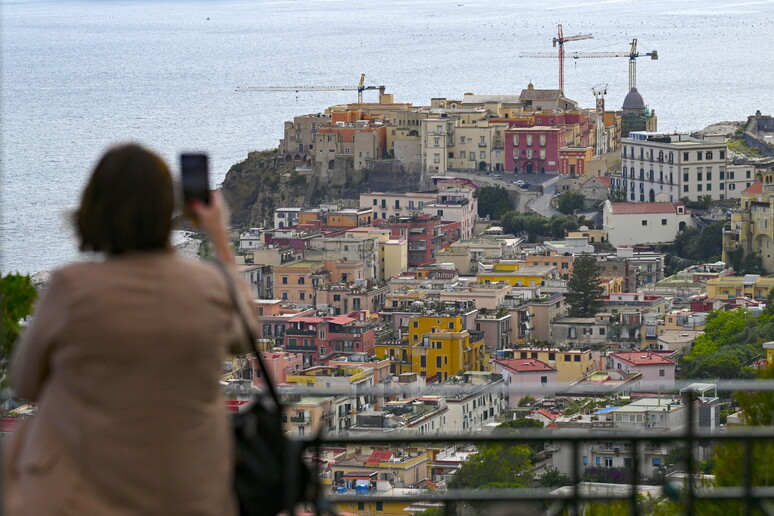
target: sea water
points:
(78, 76)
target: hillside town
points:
(448, 310)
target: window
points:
(722, 154)
(567, 358)
(661, 372)
(585, 460)
(608, 462)
(698, 155)
(543, 379)
(577, 358)
(284, 280)
(699, 176)
(709, 176)
(685, 156)
(462, 139)
(464, 154)
(436, 158)
(360, 506)
(436, 142)
(337, 297)
(529, 139)
(397, 204)
(708, 155)
(515, 139)
(423, 361)
(438, 362)
(698, 188)
(685, 188)
(721, 175)
(663, 222)
(285, 296)
(644, 222)
(301, 280)
(598, 460)
(552, 356)
(451, 325)
(709, 187)
(747, 175)
(379, 506)
(322, 350)
(542, 140)
(302, 295)
(656, 461)
(601, 331)
(482, 154)
(685, 177)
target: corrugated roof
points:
(379, 456)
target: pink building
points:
(321, 339)
(426, 236)
(658, 372)
(533, 150)
(279, 365)
(526, 377)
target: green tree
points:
(495, 465)
(17, 296)
(584, 287)
(730, 458)
(493, 201)
(526, 401)
(569, 201)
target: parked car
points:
(519, 182)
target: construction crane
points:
(560, 40)
(360, 88)
(632, 54)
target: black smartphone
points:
(194, 174)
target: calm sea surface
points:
(78, 76)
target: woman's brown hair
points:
(127, 204)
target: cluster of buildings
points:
(403, 313)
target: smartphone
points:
(194, 174)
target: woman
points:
(123, 358)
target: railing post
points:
(575, 478)
(690, 395)
(635, 510)
(748, 478)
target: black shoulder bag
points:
(270, 474)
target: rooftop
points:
(631, 208)
(642, 358)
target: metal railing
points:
(755, 499)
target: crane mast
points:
(560, 40)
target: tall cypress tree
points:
(584, 287)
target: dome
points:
(633, 100)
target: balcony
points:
(293, 332)
(300, 420)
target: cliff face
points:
(256, 186)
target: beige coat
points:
(124, 359)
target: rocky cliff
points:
(253, 188)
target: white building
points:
(526, 377)
(660, 167)
(629, 223)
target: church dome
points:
(633, 100)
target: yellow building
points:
(570, 365)
(769, 348)
(730, 287)
(752, 226)
(436, 345)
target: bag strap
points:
(232, 291)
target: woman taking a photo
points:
(123, 358)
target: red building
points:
(426, 235)
(533, 150)
(321, 339)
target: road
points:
(542, 204)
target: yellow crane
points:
(360, 88)
(558, 40)
(632, 54)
